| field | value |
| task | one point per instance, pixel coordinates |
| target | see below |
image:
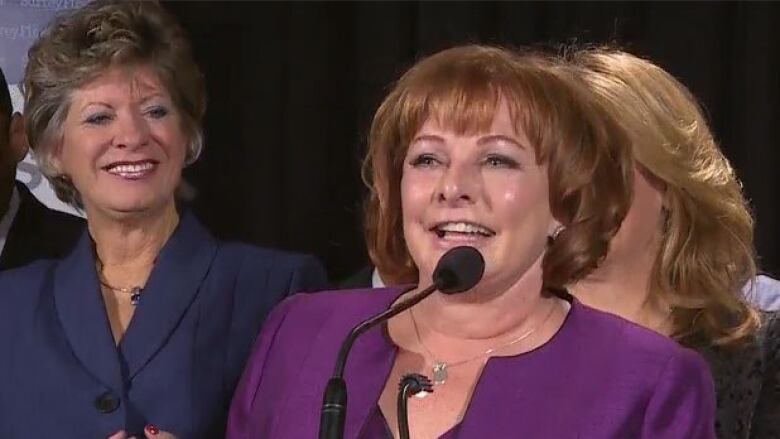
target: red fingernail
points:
(152, 429)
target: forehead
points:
(136, 82)
(497, 117)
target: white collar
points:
(376, 279)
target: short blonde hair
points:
(79, 46)
(707, 253)
(589, 172)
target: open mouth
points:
(131, 170)
(461, 229)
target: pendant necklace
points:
(440, 367)
(134, 291)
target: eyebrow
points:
(500, 137)
(91, 103)
(151, 96)
(143, 100)
(428, 137)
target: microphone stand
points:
(410, 385)
(334, 400)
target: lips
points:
(461, 230)
(132, 170)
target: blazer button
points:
(106, 402)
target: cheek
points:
(77, 150)
(514, 197)
(415, 194)
(173, 140)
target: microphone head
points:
(458, 270)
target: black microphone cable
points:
(411, 385)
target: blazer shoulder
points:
(300, 272)
(261, 256)
(343, 308)
(637, 346)
(16, 279)
(21, 288)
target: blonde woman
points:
(685, 249)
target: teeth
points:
(131, 169)
(462, 227)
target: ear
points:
(17, 138)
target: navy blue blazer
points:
(62, 375)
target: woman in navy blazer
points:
(144, 328)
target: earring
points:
(554, 235)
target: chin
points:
(133, 207)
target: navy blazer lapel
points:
(82, 313)
(173, 284)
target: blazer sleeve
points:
(683, 402)
(240, 416)
(766, 419)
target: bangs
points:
(464, 104)
(465, 98)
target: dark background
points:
(293, 85)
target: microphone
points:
(458, 270)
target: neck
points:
(481, 313)
(131, 242)
(624, 289)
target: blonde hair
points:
(79, 46)
(707, 254)
(588, 170)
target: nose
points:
(132, 131)
(458, 185)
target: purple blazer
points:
(599, 377)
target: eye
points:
(501, 161)
(157, 112)
(98, 119)
(424, 161)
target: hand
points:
(150, 432)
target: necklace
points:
(134, 291)
(441, 367)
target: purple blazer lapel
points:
(366, 373)
(367, 368)
(506, 402)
